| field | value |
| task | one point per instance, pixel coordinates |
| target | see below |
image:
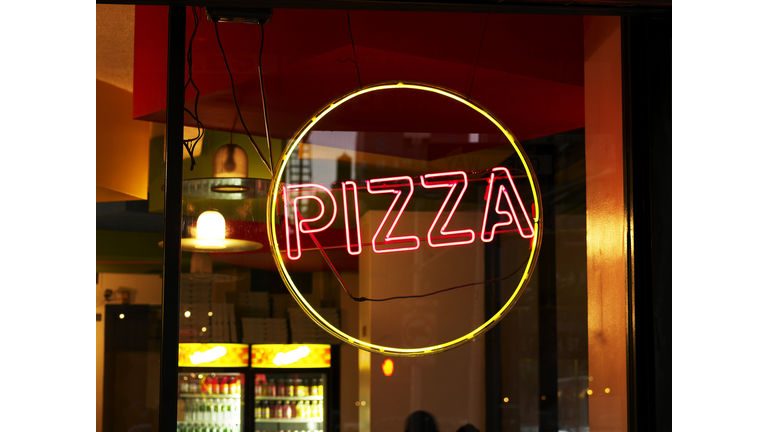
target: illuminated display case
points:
(211, 387)
(292, 387)
(287, 387)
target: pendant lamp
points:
(230, 178)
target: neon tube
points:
(443, 229)
(356, 207)
(388, 237)
(511, 215)
(300, 224)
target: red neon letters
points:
(452, 185)
(388, 238)
(294, 194)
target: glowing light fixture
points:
(211, 236)
(280, 188)
(388, 367)
(282, 359)
(208, 356)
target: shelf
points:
(209, 396)
(289, 420)
(207, 422)
(289, 398)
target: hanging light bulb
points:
(211, 230)
(210, 236)
(230, 160)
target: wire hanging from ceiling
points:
(354, 53)
(477, 59)
(237, 106)
(189, 144)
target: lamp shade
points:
(230, 160)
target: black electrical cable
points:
(354, 53)
(195, 116)
(477, 59)
(234, 96)
(364, 299)
(264, 100)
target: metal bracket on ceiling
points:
(239, 15)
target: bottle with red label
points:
(259, 389)
(271, 387)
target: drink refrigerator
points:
(212, 380)
(293, 387)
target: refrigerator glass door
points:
(290, 401)
(210, 402)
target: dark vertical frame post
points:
(647, 99)
(492, 336)
(174, 134)
(547, 269)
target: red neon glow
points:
(300, 224)
(443, 229)
(512, 216)
(388, 239)
(388, 367)
(356, 207)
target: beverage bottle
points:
(257, 410)
(320, 387)
(225, 385)
(215, 387)
(315, 407)
(193, 386)
(300, 388)
(199, 410)
(265, 411)
(271, 387)
(222, 410)
(258, 388)
(313, 389)
(279, 409)
(288, 410)
(281, 387)
(290, 389)
(320, 413)
(184, 385)
(301, 409)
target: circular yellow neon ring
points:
(272, 217)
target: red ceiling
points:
(529, 67)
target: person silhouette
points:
(420, 421)
(469, 427)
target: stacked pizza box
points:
(304, 330)
(223, 328)
(250, 304)
(264, 330)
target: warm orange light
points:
(388, 367)
(211, 229)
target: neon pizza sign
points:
(402, 187)
(296, 209)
